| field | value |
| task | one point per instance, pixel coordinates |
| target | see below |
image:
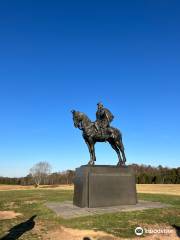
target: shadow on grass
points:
(18, 230)
(177, 228)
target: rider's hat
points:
(100, 104)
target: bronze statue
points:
(100, 131)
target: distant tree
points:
(70, 175)
(40, 172)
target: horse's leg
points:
(90, 152)
(93, 152)
(121, 148)
(115, 147)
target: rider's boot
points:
(96, 127)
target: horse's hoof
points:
(121, 164)
(90, 163)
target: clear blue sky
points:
(61, 55)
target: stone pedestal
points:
(102, 186)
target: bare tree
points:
(39, 172)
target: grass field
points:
(31, 202)
(170, 189)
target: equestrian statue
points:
(100, 131)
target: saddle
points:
(102, 131)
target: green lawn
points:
(31, 202)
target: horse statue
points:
(92, 135)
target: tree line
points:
(145, 174)
(56, 178)
(153, 175)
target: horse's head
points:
(80, 120)
(77, 118)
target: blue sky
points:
(61, 55)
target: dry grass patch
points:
(58, 187)
(63, 233)
(170, 189)
(8, 215)
(4, 187)
(10, 205)
(30, 201)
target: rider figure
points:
(103, 118)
